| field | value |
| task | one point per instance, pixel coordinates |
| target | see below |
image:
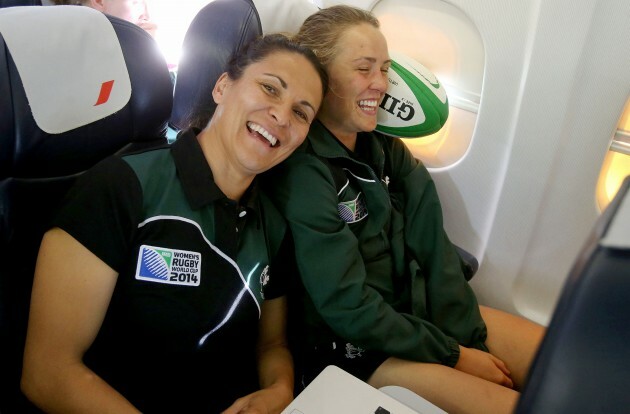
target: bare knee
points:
(395, 371)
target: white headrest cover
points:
(70, 62)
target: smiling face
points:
(358, 80)
(262, 117)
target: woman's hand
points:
(483, 365)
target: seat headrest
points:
(13, 3)
(75, 81)
(103, 87)
(219, 29)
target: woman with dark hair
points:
(157, 287)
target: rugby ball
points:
(415, 104)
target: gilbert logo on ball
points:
(415, 104)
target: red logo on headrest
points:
(106, 90)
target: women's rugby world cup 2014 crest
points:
(170, 266)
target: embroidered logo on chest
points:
(175, 267)
(264, 279)
(353, 210)
(353, 351)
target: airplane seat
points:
(218, 30)
(583, 363)
(12, 3)
(75, 86)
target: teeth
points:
(262, 131)
(365, 103)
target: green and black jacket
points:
(376, 265)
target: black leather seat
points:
(12, 3)
(125, 108)
(218, 30)
(583, 364)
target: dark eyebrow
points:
(284, 85)
(282, 82)
(307, 103)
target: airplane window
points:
(616, 163)
(443, 39)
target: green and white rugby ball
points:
(415, 104)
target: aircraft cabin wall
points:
(550, 80)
